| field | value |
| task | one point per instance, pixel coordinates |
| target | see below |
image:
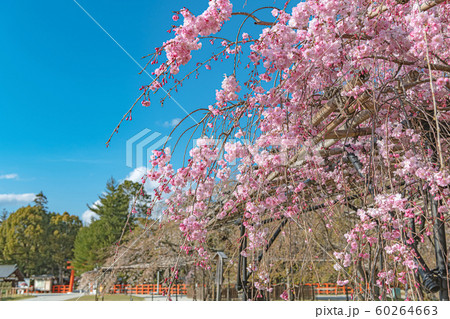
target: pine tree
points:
(3, 215)
(93, 242)
(41, 201)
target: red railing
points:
(333, 289)
(60, 289)
(148, 289)
(125, 289)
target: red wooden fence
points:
(147, 289)
(333, 289)
(60, 289)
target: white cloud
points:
(88, 216)
(172, 123)
(136, 176)
(9, 176)
(16, 198)
(158, 209)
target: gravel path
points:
(53, 297)
(164, 298)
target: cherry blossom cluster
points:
(178, 50)
(299, 64)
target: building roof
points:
(8, 270)
(221, 254)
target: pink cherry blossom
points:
(307, 75)
(145, 103)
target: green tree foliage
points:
(3, 216)
(41, 201)
(91, 246)
(63, 229)
(23, 239)
(38, 241)
(93, 242)
(113, 208)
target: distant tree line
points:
(41, 242)
(38, 241)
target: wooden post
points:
(218, 291)
(194, 297)
(220, 256)
(228, 287)
(203, 286)
(288, 283)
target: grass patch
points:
(15, 297)
(108, 298)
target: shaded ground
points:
(117, 297)
(16, 297)
(83, 297)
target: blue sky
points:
(64, 85)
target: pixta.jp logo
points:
(139, 147)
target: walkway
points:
(53, 297)
(164, 298)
